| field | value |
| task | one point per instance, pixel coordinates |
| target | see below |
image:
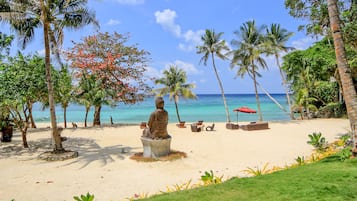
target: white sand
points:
(104, 168)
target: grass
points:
(327, 180)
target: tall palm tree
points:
(53, 16)
(248, 55)
(349, 91)
(276, 39)
(214, 45)
(174, 82)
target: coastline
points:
(104, 167)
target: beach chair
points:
(195, 127)
(210, 128)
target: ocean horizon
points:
(207, 107)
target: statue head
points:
(159, 102)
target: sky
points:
(171, 29)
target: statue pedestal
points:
(156, 148)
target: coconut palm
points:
(175, 85)
(276, 39)
(349, 91)
(214, 45)
(248, 55)
(24, 16)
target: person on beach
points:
(157, 125)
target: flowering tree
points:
(117, 67)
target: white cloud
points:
(303, 43)
(41, 52)
(130, 2)
(187, 67)
(166, 19)
(152, 72)
(112, 22)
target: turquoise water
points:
(208, 108)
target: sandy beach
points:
(104, 167)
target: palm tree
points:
(53, 17)
(276, 39)
(214, 45)
(174, 82)
(248, 54)
(349, 91)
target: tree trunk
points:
(177, 111)
(86, 117)
(58, 148)
(96, 119)
(65, 116)
(257, 96)
(285, 87)
(33, 124)
(23, 134)
(222, 91)
(349, 91)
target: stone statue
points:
(157, 125)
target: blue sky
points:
(171, 29)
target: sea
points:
(207, 107)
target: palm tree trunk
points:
(177, 111)
(222, 91)
(285, 87)
(58, 148)
(349, 91)
(257, 96)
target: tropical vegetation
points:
(115, 70)
(53, 17)
(174, 81)
(213, 46)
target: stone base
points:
(156, 148)
(50, 156)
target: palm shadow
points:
(88, 150)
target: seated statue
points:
(157, 125)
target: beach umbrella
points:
(244, 110)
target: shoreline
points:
(104, 167)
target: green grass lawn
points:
(329, 180)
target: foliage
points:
(87, 197)
(5, 42)
(53, 16)
(175, 85)
(312, 76)
(213, 46)
(248, 54)
(117, 68)
(257, 171)
(210, 178)
(300, 160)
(317, 141)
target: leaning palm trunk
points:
(271, 98)
(285, 87)
(55, 134)
(222, 91)
(349, 91)
(257, 97)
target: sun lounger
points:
(255, 126)
(210, 128)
